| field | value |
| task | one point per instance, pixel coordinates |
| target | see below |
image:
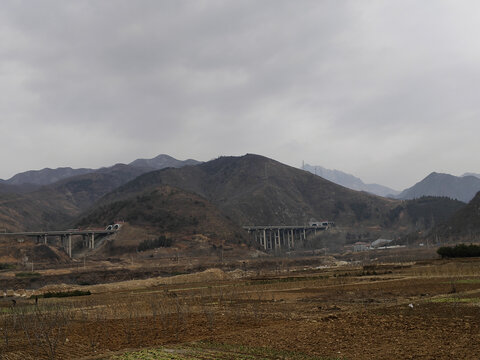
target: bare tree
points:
(45, 327)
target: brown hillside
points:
(464, 225)
(56, 206)
(254, 190)
(185, 218)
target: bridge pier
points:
(91, 244)
(69, 245)
(278, 237)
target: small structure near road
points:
(380, 243)
(361, 246)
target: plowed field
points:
(386, 311)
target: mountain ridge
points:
(462, 188)
(350, 181)
(49, 176)
(257, 190)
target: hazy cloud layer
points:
(386, 90)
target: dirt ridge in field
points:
(207, 275)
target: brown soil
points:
(389, 311)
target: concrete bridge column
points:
(92, 241)
(292, 243)
(45, 239)
(69, 245)
(264, 239)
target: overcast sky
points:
(386, 90)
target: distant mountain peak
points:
(349, 181)
(471, 174)
(462, 188)
(163, 161)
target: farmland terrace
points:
(426, 309)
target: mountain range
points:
(49, 176)
(204, 204)
(37, 200)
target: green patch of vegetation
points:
(27, 274)
(7, 266)
(467, 281)
(62, 294)
(459, 251)
(204, 350)
(455, 300)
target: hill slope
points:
(464, 225)
(254, 190)
(27, 205)
(460, 188)
(424, 213)
(186, 218)
(55, 206)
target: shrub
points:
(460, 250)
(148, 244)
(27, 274)
(63, 294)
(6, 266)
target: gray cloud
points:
(385, 90)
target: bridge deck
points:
(59, 232)
(284, 227)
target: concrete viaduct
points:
(278, 237)
(66, 236)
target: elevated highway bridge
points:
(88, 236)
(272, 237)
